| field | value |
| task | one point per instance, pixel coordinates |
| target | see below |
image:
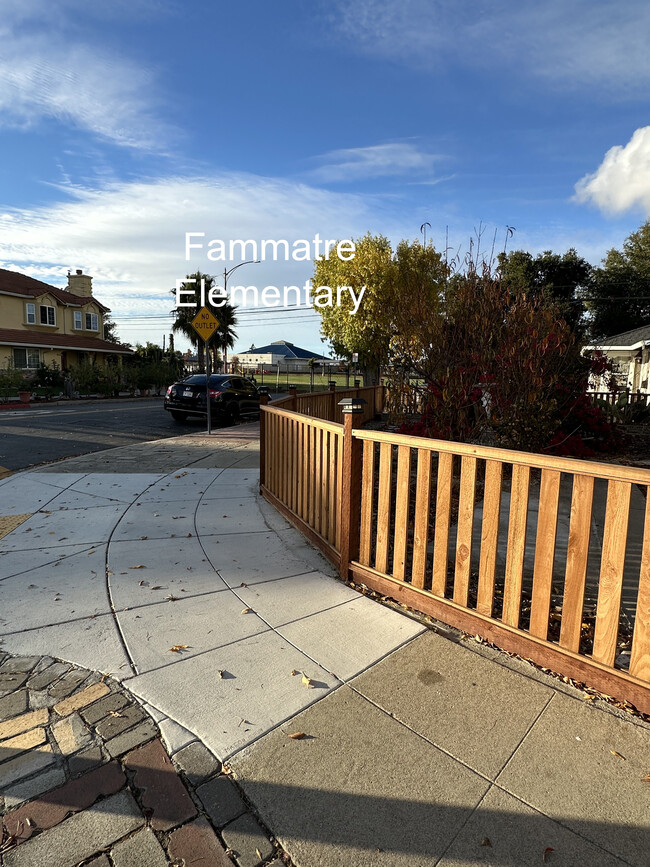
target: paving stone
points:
(111, 726)
(197, 762)
(25, 765)
(41, 699)
(22, 742)
(14, 704)
(80, 836)
(85, 760)
(102, 861)
(81, 699)
(221, 800)
(141, 850)
(43, 663)
(163, 792)
(97, 711)
(67, 684)
(131, 739)
(76, 795)
(27, 789)
(19, 663)
(71, 734)
(45, 678)
(11, 681)
(197, 844)
(245, 837)
(23, 723)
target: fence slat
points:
(465, 526)
(402, 501)
(324, 497)
(517, 520)
(610, 586)
(576, 562)
(549, 497)
(339, 486)
(443, 519)
(312, 477)
(489, 536)
(331, 490)
(383, 506)
(640, 656)
(421, 526)
(367, 489)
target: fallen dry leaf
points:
(293, 672)
(259, 854)
(618, 755)
(141, 583)
(246, 610)
(156, 587)
(141, 566)
(296, 736)
(143, 538)
(547, 852)
(172, 598)
(307, 681)
(646, 779)
(177, 648)
(115, 713)
(486, 841)
(220, 672)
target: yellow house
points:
(41, 323)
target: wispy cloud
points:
(350, 164)
(586, 42)
(622, 181)
(46, 75)
(131, 236)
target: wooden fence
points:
(546, 557)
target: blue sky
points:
(125, 125)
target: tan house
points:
(41, 323)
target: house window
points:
(77, 320)
(92, 322)
(27, 359)
(48, 315)
(30, 314)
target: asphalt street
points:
(47, 433)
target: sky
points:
(126, 125)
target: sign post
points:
(205, 324)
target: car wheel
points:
(179, 416)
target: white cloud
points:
(131, 236)
(583, 43)
(622, 181)
(349, 164)
(45, 74)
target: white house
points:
(281, 352)
(629, 353)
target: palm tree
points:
(185, 315)
(226, 335)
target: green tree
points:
(566, 279)
(620, 296)
(110, 329)
(368, 331)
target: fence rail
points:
(546, 557)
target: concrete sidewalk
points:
(158, 568)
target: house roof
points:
(19, 337)
(284, 349)
(633, 339)
(14, 283)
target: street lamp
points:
(226, 274)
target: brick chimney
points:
(80, 284)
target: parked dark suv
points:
(230, 397)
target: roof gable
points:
(20, 284)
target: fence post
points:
(264, 399)
(332, 401)
(292, 394)
(351, 493)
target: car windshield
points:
(199, 379)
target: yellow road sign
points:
(205, 323)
